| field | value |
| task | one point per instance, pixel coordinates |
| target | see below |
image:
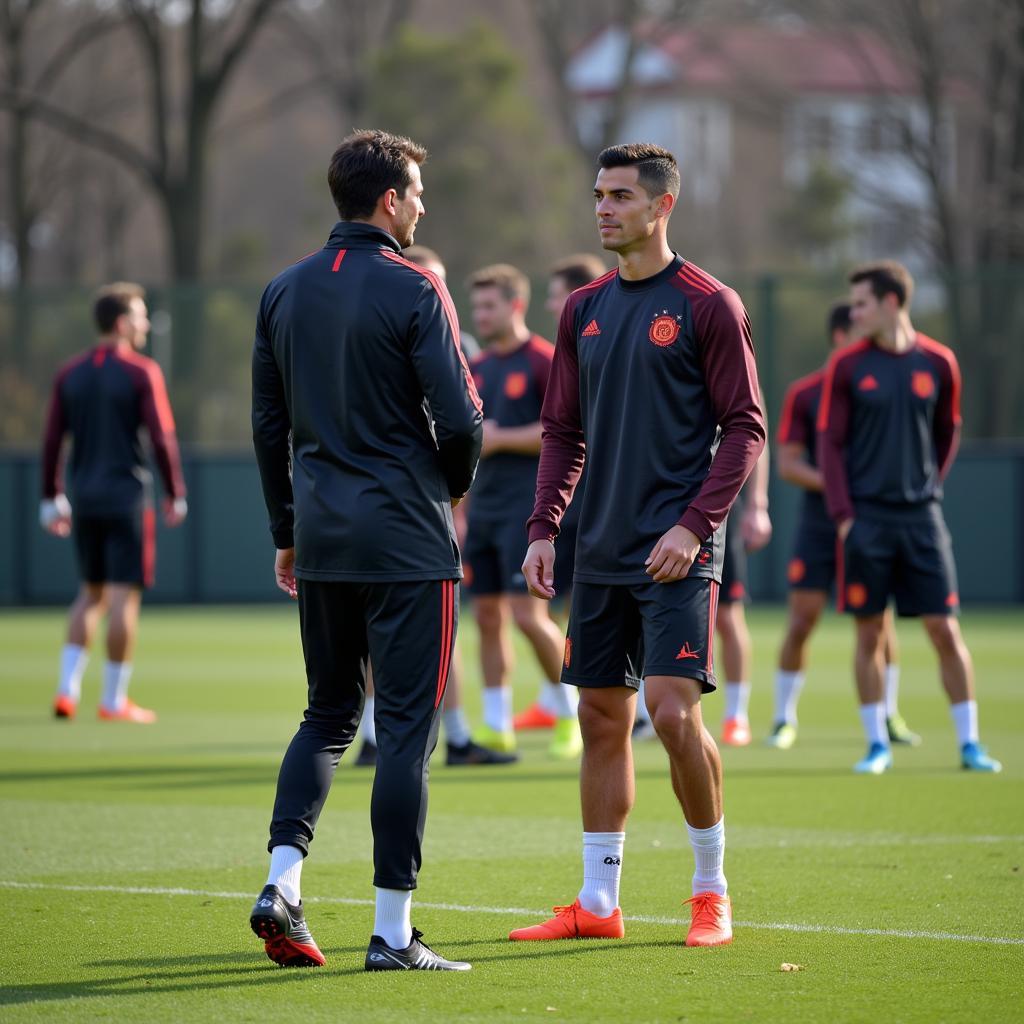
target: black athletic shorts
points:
(492, 561)
(909, 558)
(116, 549)
(813, 565)
(621, 632)
(734, 566)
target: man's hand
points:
(492, 438)
(284, 572)
(672, 556)
(844, 528)
(539, 569)
(55, 515)
(755, 527)
(175, 510)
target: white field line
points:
(778, 926)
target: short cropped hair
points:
(366, 165)
(886, 277)
(839, 318)
(658, 170)
(422, 254)
(114, 300)
(578, 270)
(512, 282)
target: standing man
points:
(812, 569)
(654, 367)
(101, 399)
(888, 429)
(512, 376)
(367, 429)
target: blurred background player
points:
(512, 376)
(812, 569)
(101, 399)
(888, 429)
(563, 279)
(460, 746)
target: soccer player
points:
(563, 279)
(812, 569)
(101, 399)
(654, 366)
(512, 376)
(888, 428)
(367, 429)
(461, 749)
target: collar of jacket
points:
(350, 234)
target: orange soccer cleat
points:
(534, 717)
(65, 707)
(711, 920)
(735, 732)
(573, 923)
(128, 712)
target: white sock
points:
(892, 690)
(367, 726)
(565, 700)
(548, 698)
(872, 717)
(602, 869)
(392, 920)
(285, 872)
(709, 856)
(642, 714)
(737, 700)
(498, 708)
(787, 692)
(116, 676)
(456, 728)
(965, 718)
(73, 660)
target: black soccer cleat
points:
(473, 753)
(367, 757)
(417, 956)
(283, 930)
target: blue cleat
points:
(974, 758)
(877, 760)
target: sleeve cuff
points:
(283, 539)
(541, 529)
(697, 523)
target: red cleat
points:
(65, 707)
(534, 717)
(128, 712)
(573, 923)
(711, 920)
(735, 732)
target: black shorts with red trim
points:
(906, 556)
(621, 632)
(813, 564)
(492, 560)
(116, 549)
(734, 564)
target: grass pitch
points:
(129, 856)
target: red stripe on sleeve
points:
(701, 286)
(703, 276)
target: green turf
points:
(184, 805)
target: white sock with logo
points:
(787, 692)
(737, 701)
(965, 718)
(73, 659)
(872, 717)
(892, 690)
(392, 920)
(286, 872)
(116, 676)
(498, 707)
(709, 856)
(602, 869)
(367, 726)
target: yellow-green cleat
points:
(782, 736)
(494, 739)
(567, 741)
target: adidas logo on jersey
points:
(868, 383)
(591, 329)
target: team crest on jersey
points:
(922, 384)
(664, 329)
(515, 385)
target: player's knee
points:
(488, 616)
(944, 634)
(870, 635)
(601, 722)
(526, 618)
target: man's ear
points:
(388, 199)
(665, 205)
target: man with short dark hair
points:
(367, 429)
(888, 429)
(101, 399)
(811, 571)
(654, 385)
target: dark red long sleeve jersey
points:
(798, 425)
(653, 384)
(888, 426)
(102, 398)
